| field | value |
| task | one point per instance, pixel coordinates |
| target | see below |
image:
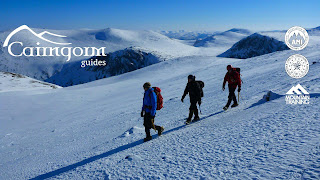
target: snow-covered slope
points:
(227, 38)
(116, 63)
(93, 130)
(17, 82)
(254, 45)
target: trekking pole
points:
(241, 97)
(238, 96)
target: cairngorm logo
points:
(297, 95)
(61, 49)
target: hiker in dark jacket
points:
(233, 79)
(194, 91)
(149, 111)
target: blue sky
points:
(160, 14)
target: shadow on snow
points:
(108, 153)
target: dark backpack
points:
(201, 84)
(238, 70)
(157, 90)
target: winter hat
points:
(229, 67)
(192, 77)
(147, 85)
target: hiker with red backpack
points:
(152, 101)
(194, 89)
(233, 79)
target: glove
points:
(152, 117)
(239, 89)
(142, 113)
(223, 88)
(181, 99)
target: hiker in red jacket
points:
(233, 78)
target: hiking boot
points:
(196, 119)
(190, 116)
(147, 139)
(225, 108)
(234, 105)
(196, 115)
(160, 130)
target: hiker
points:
(194, 88)
(149, 108)
(233, 78)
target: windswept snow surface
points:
(93, 130)
(17, 82)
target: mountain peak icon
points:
(297, 33)
(39, 35)
(296, 90)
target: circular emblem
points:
(297, 38)
(297, 66)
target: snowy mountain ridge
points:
(42, 68)
(254, 45)
(116, 63)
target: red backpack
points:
(157, 90)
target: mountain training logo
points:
(38, 51)
(297, 95)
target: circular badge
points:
(297, 66)
(297, 38)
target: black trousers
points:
(148, 124)
(231, 96)
(193, 104)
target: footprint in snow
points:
(133, 130)
(133, 158)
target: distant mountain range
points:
(226, 38)
(187, 35)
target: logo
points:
(297, 38)
(297, 95)
(297, 66)
(60, 48)
(40, 35)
